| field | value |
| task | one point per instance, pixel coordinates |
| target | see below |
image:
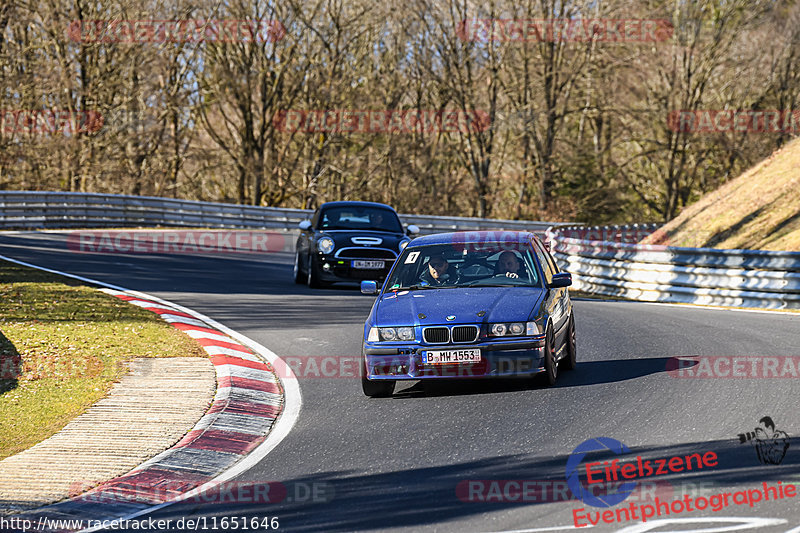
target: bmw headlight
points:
(402, 244)
(325, 245)
(396, 334)
(498, 330)
(512, 329)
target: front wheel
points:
(375, 389)
(298, 275)
(550, 364)
(313, 274)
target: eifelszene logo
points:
(770, 443)
(599, 444)
(618, 478)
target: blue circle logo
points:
(600, 444)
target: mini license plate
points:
(367, 264)
(443, 357)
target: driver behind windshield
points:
(510, 265)
(438, 272)
(376, 220)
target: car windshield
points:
(493, 264)
(360, 218)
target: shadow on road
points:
(587, 373)
(416, 498)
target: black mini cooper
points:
(347, 241)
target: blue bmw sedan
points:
(468, 305)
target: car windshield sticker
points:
(412, 258)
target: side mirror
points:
(369, 287)
(412, 229)
(304, 225)
(562, 279)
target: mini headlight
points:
(516, 328)
(325, 245)
(373, 335)
(389, 334)
(405, 334)
(402, 244)
(498, 330)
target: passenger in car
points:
(331, 219)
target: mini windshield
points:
(443, 266)
(360, 218)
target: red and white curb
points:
(251, 413)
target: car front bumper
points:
(341, 269)
(499, 358)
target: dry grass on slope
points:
(758, 210)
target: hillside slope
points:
(758, 210)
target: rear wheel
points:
(570, 359)
(375, 389)
(298, 275)
(550, 364)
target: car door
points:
(556, 299)
(564, 303)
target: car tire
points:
(298, 274)
(550, 363)
(375, 389)
(312, 279)
(571, 358)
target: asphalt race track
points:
(406, 463)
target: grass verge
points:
(62, 347)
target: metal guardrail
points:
(57, 210)
(609, 261)
(604, 260)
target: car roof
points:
(464, 237)
(354, 204)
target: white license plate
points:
(368, 264)
(443, 357)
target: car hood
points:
(499, 304)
